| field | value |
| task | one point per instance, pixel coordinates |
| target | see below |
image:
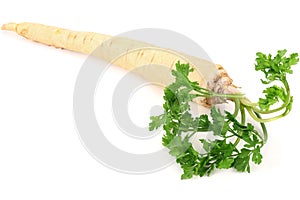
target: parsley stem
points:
(229, 136)
(243, 115)
(209, 94)
(237, 141)
(228, 96)
(272, 111)
(251, 112)
(237, 104)
(247, 102)
(264, 129)
(287, 88)
(243, 120)
(254, 111)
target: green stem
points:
(207, 93)
(191, 134)
(252, 114)
(243, 120)
(245, 101)
(234, 96)
(257, 110)
(236, 107)
(264, 129)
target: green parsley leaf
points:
(272, 95)
(226, 163)
(275, 68)
(178, 146)
(219, 126)
(257, 157)
(156, 122)
(241, 162)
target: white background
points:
(41, 156)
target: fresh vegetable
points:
(236, 142)
(111, 49)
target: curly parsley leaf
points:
(226, 163)
(156, 122)
(178, 146)
(241, 162)
(257, 157)
(275, 69)
(272, 95)
(219, 126)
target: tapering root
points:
(9, 27)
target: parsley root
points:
(207, 74)
(83, 42)
(236, 142)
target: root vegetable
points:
(207, 74)
(198, 80)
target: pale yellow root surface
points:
(84, 42)
(112, 49)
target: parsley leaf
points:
(272, 95)
(156, 122)
(226, 163)
(275, 69)
(241, 162)
(219, 126)
(257, 157)
(177, 146)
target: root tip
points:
(9, 27)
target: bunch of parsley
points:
(236, 143)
